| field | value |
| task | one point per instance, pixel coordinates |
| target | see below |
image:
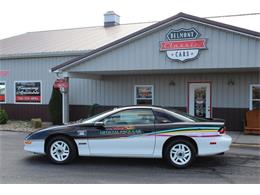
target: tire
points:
(180, 153)
(61, 150)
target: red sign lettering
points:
(187, 44)
(28, 98)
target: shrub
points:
(36, 122)
(55, 107)
(3, 116)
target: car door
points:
(125, 133)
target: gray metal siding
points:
(225, 50)
(119, 90)
(27, 69)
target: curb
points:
(245, 145)
(251, 156)
(18, 131)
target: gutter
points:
(44, 54)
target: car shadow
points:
(115, 162)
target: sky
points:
(21, 16)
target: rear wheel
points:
(61, 150)
(180, 153)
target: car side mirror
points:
(99, 124)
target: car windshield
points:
(195, 119)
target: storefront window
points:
(2, 92)
(255, 96)
(28, 92)
(144, 95)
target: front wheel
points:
(61, 150)
(180, 153)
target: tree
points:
(55, 106)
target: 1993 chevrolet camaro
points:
(134, 131)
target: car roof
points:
(138, 106)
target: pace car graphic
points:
(134, 131)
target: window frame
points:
(156, 112)
(154, 121)
(251, 95)
(135, 93)
(5, 92)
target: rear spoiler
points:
(223, 129)
(216, 120)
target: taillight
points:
(222, 130)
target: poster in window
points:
(28, 92)
(2, 91)
(200, 102)
(144, 92)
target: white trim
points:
(251, 95)
(135, 99)
(28, 102)
(223, 28)
(81, 75)
(5, 92)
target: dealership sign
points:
(183, 44)
(2, 91)
(4, 73)
(28, 92)
(61, 83)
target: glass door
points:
(200, 100)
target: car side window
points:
(162, 117)
(130, 117)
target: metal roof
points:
(152, 27)
(65, 41)
(80, 41)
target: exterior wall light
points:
(231, 82)
(172, 83)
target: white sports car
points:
(134, 131)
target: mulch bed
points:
(22, 126)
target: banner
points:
(28, 92)
(2, 91)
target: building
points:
(207, 68)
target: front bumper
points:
(213, 145)
(35, 146)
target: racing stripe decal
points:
(187, 131)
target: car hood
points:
(51, 129)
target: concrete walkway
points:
(239, 138)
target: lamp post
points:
(64, 89)
(63, 85)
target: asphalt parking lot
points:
(240, 165)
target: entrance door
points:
(200, 100)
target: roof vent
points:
(111, 19)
